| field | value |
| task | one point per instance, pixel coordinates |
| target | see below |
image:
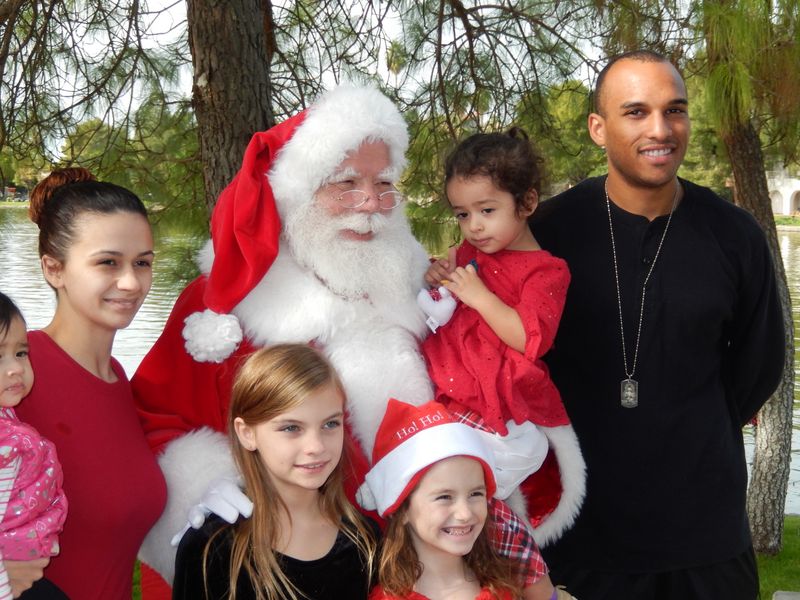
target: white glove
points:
(224, 498)
(439, 310)
(517, 454)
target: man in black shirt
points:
(671, 340)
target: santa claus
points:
(310, 244)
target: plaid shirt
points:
(512, 537)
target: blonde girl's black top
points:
(339, 575)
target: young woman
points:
(96, 251)
(304, 539)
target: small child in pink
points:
(32, 503)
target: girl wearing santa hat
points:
(304, 539)
(433, 479)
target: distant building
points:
(784, 192)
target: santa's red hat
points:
(410, 440)
(282, 169)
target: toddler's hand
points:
(466, 285)
(22, 574)
(440, 269)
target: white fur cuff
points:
(565, 444)
(190, 463)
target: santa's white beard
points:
(381, 267)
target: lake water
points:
(21, 278)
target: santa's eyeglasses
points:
(356, 198)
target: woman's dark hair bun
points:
(44, 190)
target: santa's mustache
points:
(361, 222)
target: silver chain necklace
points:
(629, 387)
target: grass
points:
(787, 220)
(137, 582)
(782, 572)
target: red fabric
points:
(112, 481)
(402, 420)
(543, 490)
(153, 586)
(472, 368)
(378, 594)
(513, 539)
(245, 225)
(176, 394)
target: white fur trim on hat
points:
(211, 337)
(337, 123)
(390, 476)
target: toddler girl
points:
(486, 363)
(32, 503)
(304, 539)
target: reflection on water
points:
(21, 278)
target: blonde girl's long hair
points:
(272, 381)
(399, 567)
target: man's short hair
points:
(639, 55)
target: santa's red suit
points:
(273, 273)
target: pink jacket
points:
(36, 506)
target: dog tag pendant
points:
(629, 393)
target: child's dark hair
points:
(8, 312)
(508, 159)
(64, 195)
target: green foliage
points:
(557, 125)
(751, 57)
(787, 220)
(65, 62)
(706, 160)
(8, 171)
(157, 159)
(730, 88)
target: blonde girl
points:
(304, 539)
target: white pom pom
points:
(365, 498)
(210, 336)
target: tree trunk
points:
(766, 495)
(232, 89)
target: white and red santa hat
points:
(282, 169)
(410, 440)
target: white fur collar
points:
(375, 349)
